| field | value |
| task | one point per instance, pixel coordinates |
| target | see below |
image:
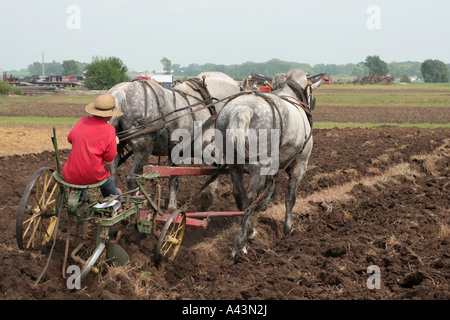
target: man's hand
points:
(117, 140)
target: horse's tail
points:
(121, 101)
(239, 121)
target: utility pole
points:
(43, 67)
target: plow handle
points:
(55, 145)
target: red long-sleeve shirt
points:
(93, 142)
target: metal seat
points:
(75, 191)
(58, 177)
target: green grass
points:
(394, 99)
(331, 125)
(413, 95)
(417, 95)
(54, 99)
(43, 121)
(37, 121)
(378, 87)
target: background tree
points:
(35, 68)
(434, 71)
(360, 69)
(398, 69)
(167, 65)
(177, 69)
(104, 73)
(376, 66)
(51, 69)
(70, 67)
(405, 78)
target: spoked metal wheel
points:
(171, 236)
(38, 214)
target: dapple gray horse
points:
(146, 103)
(286, 110)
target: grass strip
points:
(331, 125)
(44, 121)
(37, 121)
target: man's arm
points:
(112, 150)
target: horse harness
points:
(196, 84)
(158, 103)
(301, 101)
(200, 86)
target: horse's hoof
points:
(287, 234)
(253, 235)
(243, 250)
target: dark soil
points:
(373, 215)
(400, 225)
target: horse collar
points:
(299, 91)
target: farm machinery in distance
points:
(374, 80)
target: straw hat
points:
(104, 106)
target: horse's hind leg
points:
(206, 198)
(255, 187)
(237, 178)
(296, 174)
(174, 182)
(141, 154)
(240, 239)
(264, 204)
(246, 229)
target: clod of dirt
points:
(336, 251)
(412, 279)
(438, 264)
(330, 278)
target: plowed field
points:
(371, 197)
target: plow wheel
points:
(38, 214)
(171, 236)
(89, 264)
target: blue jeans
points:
(108, 188)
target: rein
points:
(201, 87)
(300, 102)
(147, 129)
(195, 84)
(301, 95)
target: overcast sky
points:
(222, 32)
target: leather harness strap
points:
(158, 103)
(201, 87)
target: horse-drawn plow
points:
(47, 197)
(99, 222)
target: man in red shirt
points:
(266, 87)
(94, 145)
